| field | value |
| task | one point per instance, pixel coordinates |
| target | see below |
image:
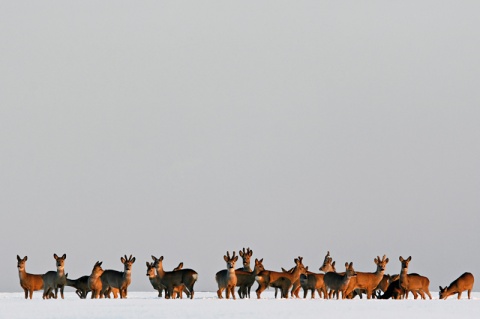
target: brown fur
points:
(368, 281)
(412, 282)
(54, 280)
(268, 278)
(177, 280)
(246, 279)
(94, 281)
(339, 282)
(113, 280)
(227, 279)
(462, 283)
(29, 282)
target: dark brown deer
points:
(53, 280)
(29, 282)
(339, 282)
(155, 281)
(413, 282)
(282, 280)
(368, 282)
(81, 286)
(315, 282)
(95, 282)
(246, 279)
(393, 291)
(227, 279)
(462, 283)
(113, 280)
(173, 280)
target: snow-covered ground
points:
(206, 305)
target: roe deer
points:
(368, 281)
(282, 280)
(173, 280)
(338, 282)
(81, 286)
(462, 283)
(155, 281)
(113, 280)
(95, 282)
(227, 279)
(393, 291)
(52, 280)
(315, 282)
(246, 279)
(413, 282)
(29, 282)
(246, 255)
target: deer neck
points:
(22, 273)
(160, 271)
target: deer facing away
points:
(95, 282)
(29, 282)
(462, 283)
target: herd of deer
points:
(329, 284)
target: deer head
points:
(230, 261)
(246, 255)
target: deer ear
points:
(225, 258)
(409, 258)
(153, 258)
(133, 260)
(333, 264)
(386, 260)
(148, 265)
(346, 264)
(123, 260)
(261, 260)
(236, 258)
(240, 253)
(55, 256)
(26, 257)
(250, 253)
(400, 258)
(161, 258)
(18, 258)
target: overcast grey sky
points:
(189, 128)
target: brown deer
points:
(393, 291)
(282, 280)
(81, 286)
(462, 283)
(94, 281)
(413, 282)
(155, 281)
(118, 281)
(368, 281)
(246, 279)
(29, 282)
(53, 280)
(315, 282)
(227, 279)
(173, 280)
(339, 282)
(246, 255)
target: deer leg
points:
(459, 295)
(469, 291)
(219, 293)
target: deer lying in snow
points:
(462, 283)
(29, 282)
(413, 282)
(53, 280)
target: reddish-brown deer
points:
(413, 282)
(173, 280)
(368, 282)
(282, 280)
(95, 282)
(29, 282)
(246, 279)
(315, 282)
(338, 283)
(462, 283)
(227, 279)
(113, 280)
(53, 280)
(81, 286)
